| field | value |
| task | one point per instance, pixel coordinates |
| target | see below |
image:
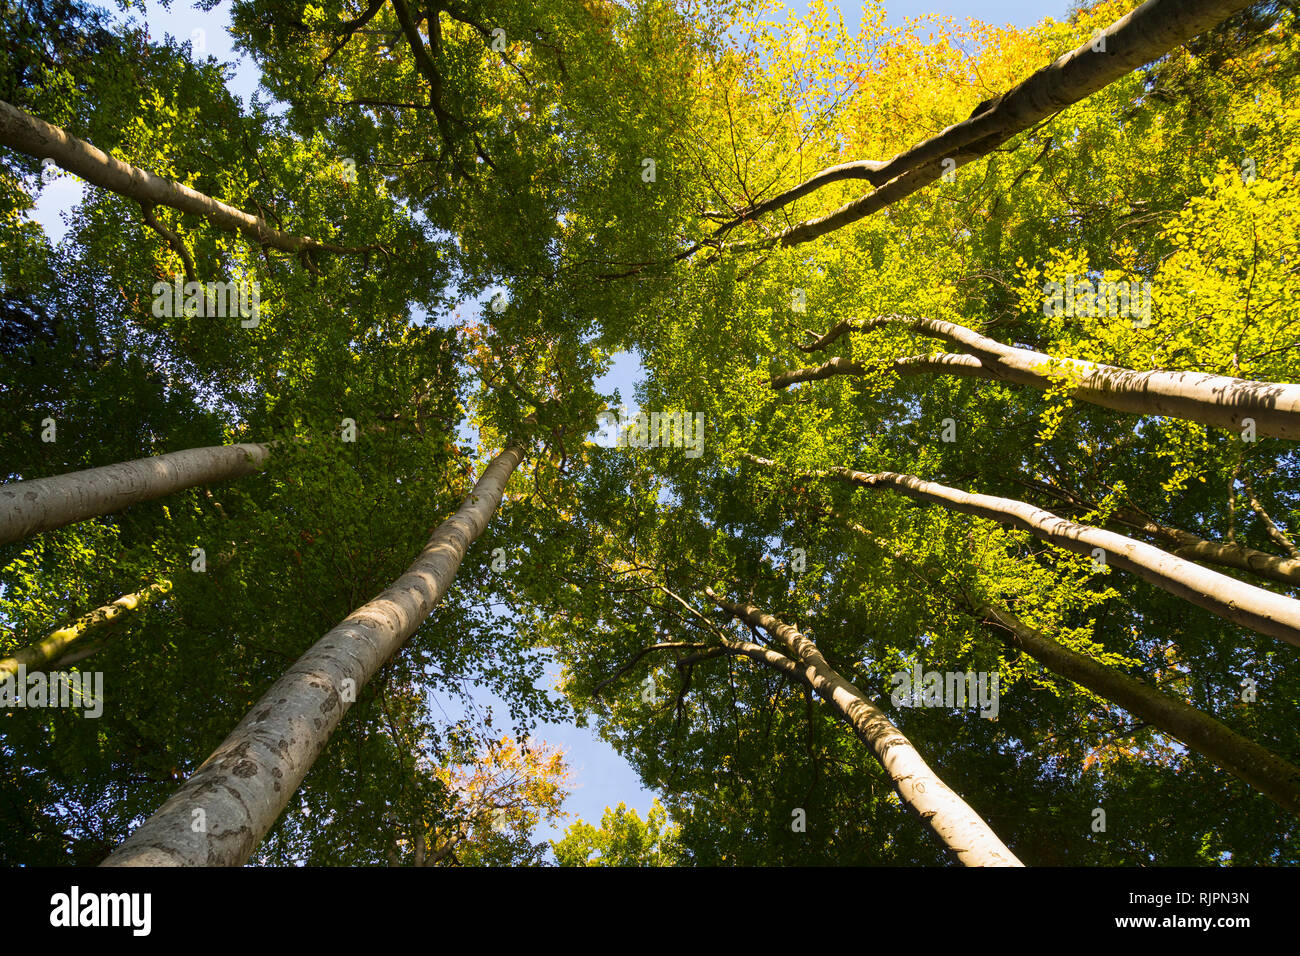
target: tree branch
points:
(1144, 34)
(174, 240)
(1279, 536)
(35, 137)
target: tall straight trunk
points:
(1254, 764)
(57, 644)
(1233, 600)
(35, 137)
(1185, 544)
(1217, 400)
(240, 790)
(1144, 34)
(956, 824)
(1188, 545)
(29, 507)
(417, 837)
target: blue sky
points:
(601, 777)
(997, 12)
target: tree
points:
(622, 839)
(241, 789)
(448, 219)
(52, 649)
(957, 826)
(45, 503)
(502, 796)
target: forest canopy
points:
(955, 520)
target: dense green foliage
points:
(475, 167)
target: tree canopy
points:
(967, 357)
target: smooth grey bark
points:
(56, 645)
(1185, 544)
(1255, 765)
(939, 363)
(1217, 400)
(1251, 762)
(1282, 570)
(417, 837)
(1144, 34)
(1236, 601)
(240, 790)
(1188, 545)
(958, 826)
(35, 137)
(29, 507)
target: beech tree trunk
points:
(221, 813)
(1236, 601)
(1187, 545)
(417, 837)
(1254, 764)
(54, 647)
(1217, 400)
(955, 823)
(939, 363)
(29, 507)
(35, 137)
(1146, 33)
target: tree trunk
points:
(1260, 768)
(1254, 764)
(1188, 545)
(37, 655)
(1217, 400)
(29, 507)
(35, 137)
(1233, 600)
(1148, 32)
(417, 837)
(956, 824)
(240, 790)
(1185, 544)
